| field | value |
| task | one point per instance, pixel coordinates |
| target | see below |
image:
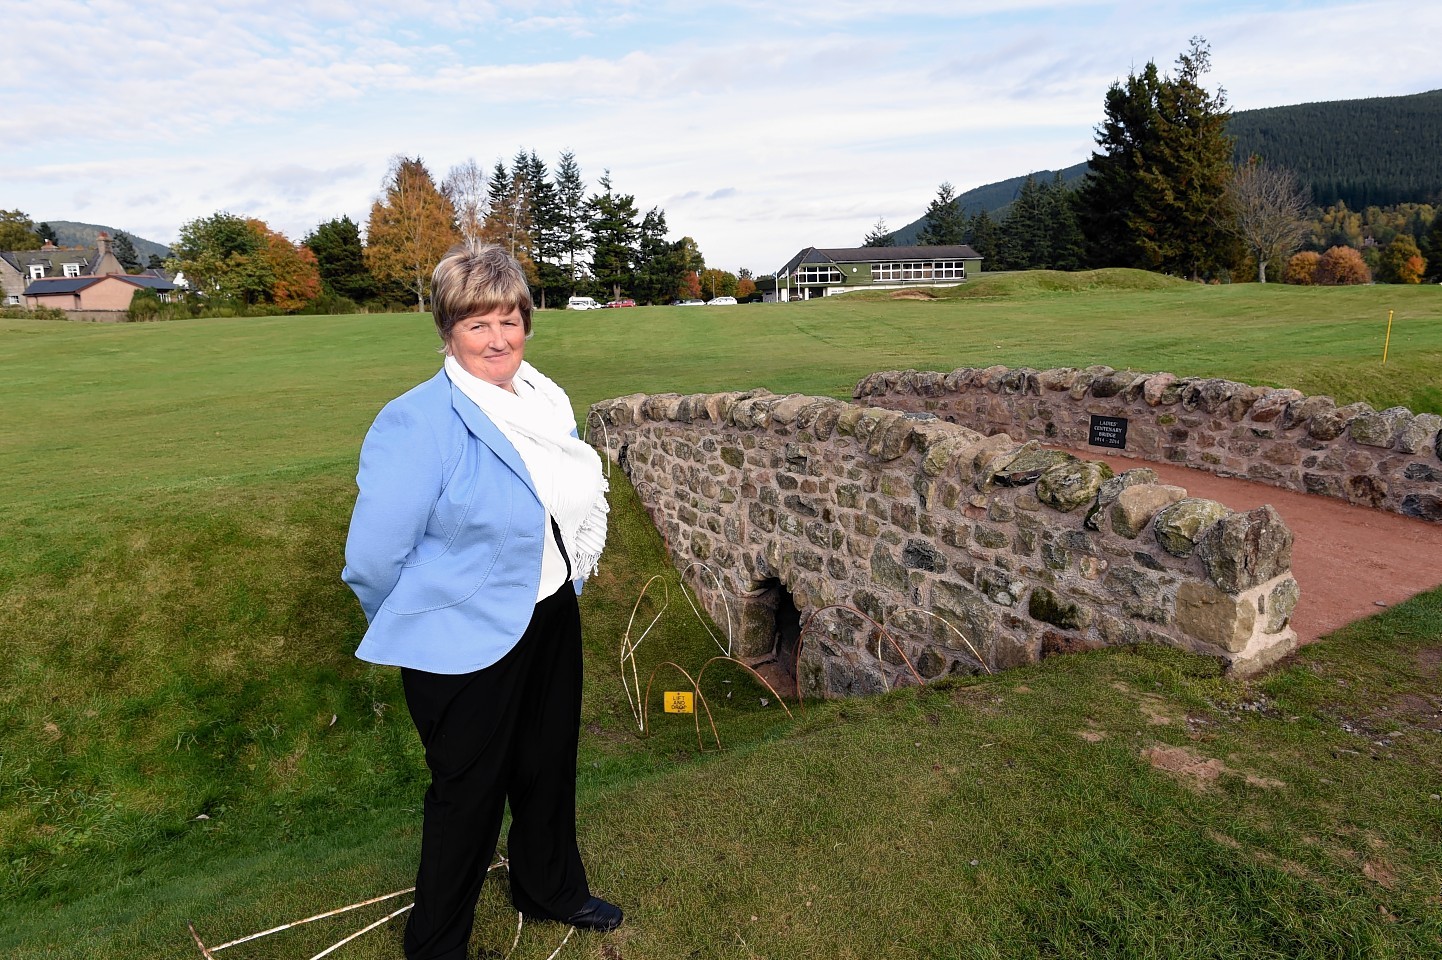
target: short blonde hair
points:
(470, 282)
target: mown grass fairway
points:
(184, 733)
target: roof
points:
(57, 285)
(21, 259)
(53, 285)
(148, 281)
(879, 255)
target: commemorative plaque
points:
(1108, 432)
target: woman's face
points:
(490, 345)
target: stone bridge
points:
(803, 506)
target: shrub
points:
(331, 304)
(1401, 261)
(1341, 266)
(1302, 268)
(144, 305)
(38, 313)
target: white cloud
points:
(760, 128)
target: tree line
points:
(569, 241)
(1164, 191)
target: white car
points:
(722, 302)
(582, 303)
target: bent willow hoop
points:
(210, 952)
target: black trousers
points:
(505, 733)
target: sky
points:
(759, 128)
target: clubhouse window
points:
(818, 275)
(915, 270)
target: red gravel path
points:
(1350, 561)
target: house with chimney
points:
(85, 282)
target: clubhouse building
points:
(817, 272)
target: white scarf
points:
(565, 471)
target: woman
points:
(479, 515)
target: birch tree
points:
(465, 188)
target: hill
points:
(994, 198)
(1377, 151)
(72, 233)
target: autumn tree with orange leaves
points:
(411, 227)
(293, 273)
(226, 257)
(1402, 261)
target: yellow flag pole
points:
(1388, 342)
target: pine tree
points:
(499, 185)
(1068, 247)
(1154, 194)
(1126, 138)
(572, 220)
(340, 259)
(547, 231)
(982, 234)
(1178, 209)
(879, 236)
(662, 265)
(945, 221)
(123, 247)
(1025, 242)
(615, 235)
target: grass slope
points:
(186, 734)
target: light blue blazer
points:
(445, 543)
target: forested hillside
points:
(72, 233)
(1375, 152)
(1378, 151)
(994, 198)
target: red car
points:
(621, 303)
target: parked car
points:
(582, 303)
(690, 303)
(622, 303)
(722, 302)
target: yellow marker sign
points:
(679, 702)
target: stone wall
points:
(1027, 551)
(1389, 459)
(98, 316)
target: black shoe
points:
(597, 915)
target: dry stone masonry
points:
(906, 517)
(1388, 459)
